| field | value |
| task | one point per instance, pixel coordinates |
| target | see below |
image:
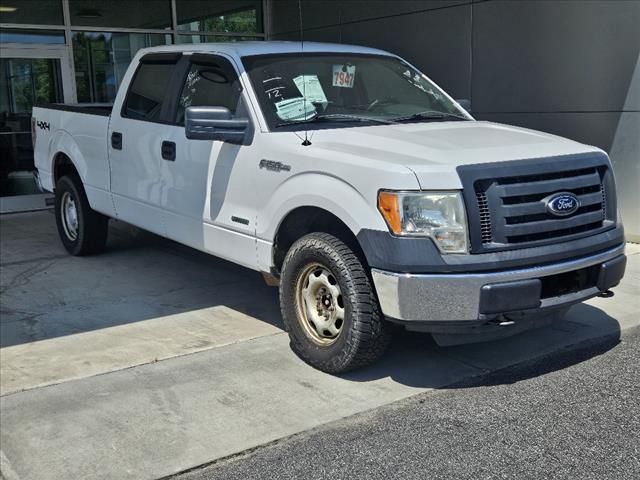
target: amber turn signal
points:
(389, 206)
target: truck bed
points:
(78, 132)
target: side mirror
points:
(214, 123)
(465, 103)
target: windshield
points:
(317, 89)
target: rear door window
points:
(148, 91)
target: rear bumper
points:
(442, 298)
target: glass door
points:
(28, 76)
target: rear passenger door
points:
(136, 156)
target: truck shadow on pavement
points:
(415, 360)
(47, 293)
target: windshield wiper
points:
(430, 115)
(336, 116)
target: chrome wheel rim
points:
(319, 304)
(69, 216)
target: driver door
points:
(207, 193)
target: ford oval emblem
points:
(562, 204)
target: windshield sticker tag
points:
(310, 87)
(295, 109)
(344, 75)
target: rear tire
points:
(83, 231)
(329, 307)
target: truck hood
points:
(434, 150)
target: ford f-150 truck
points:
(350, 180)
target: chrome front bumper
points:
(454, 297)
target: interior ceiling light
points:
(89, 13)
(5, 9)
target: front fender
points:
(321, 190)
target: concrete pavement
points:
(152, 358)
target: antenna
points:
(306, 142)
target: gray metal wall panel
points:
(325, 34)
(419, 38)
(533, 56)
(316, 13)
(625, 156)
(356, 10)
(322, 13)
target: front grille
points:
(511, 204)
(485, 217)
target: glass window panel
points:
(23, 83)
(35, 12)
(213, 38)
(32, 36)
(148, 90)
(123, 14)
(209, 85)
(101, 60)
(237, 16)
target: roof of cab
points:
(242, 49)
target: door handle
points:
(116, 140)
(168, 151)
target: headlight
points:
(439, 215)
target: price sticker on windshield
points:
(344, 75)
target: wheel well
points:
(304, 220)
(62, 165)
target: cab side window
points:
(209, 85)
(148, 91)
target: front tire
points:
(329, 307)
(83, 231)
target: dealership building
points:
(566, 67)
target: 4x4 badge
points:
(43, 125)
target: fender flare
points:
(62, 142)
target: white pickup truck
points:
(351, 180)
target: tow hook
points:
(606, 294)
(501, 321)
(506, 323)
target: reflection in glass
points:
(23, 83)
(55, 37)
(101, 60)
(44, 12)
(123, 14)
(212, 38)
(238, 16)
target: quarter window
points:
(148, 90)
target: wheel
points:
(83, 231)
(329, 307)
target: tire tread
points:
(92, 235)
(370, 334)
